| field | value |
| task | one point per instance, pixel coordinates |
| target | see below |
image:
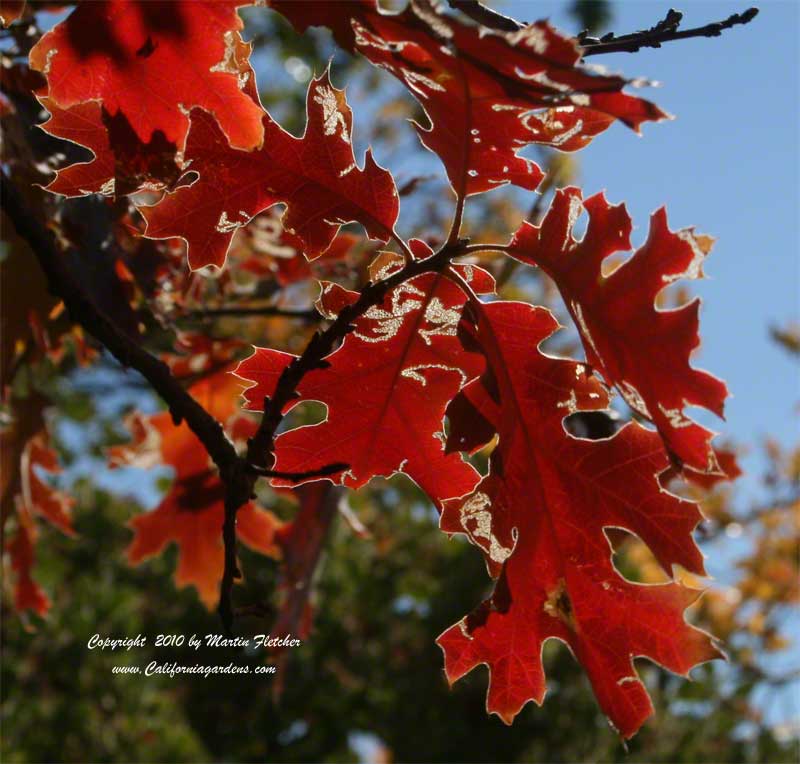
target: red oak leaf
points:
(82, 124)
(301, 542)
(540, 515)
(38, 496)
(316, 176)
(641, 350)
(192, 512)
(154, 61)
(487, 93)
(28, 595)
(122, 163)
(386, 390)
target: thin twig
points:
(296, 477)
(484, 15)
(667, 30)
(243, 311)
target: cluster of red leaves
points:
(431, 350)
(486, 93)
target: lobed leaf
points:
(154, 61)
(540, 517)
(487, 93)
(316, 176)
(641, 350)
(386, 389)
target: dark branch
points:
(231, 570)
(666, 30)
(486, 16)
(296, 477)
(82, 310)
(255, 310)
(183, 407)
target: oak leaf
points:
(154, 61)
(487, 93)
(541, 517)
(386, 389)
(641, 350)
(316, 176)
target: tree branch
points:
(242, 311)
(666, 30)
(238, 482)
(82, 310)
(486, 16)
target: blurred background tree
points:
(367, 684)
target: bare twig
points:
(246, 311)
(296, 477)
(666, 30)
(484, 15)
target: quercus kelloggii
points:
(419, 366)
